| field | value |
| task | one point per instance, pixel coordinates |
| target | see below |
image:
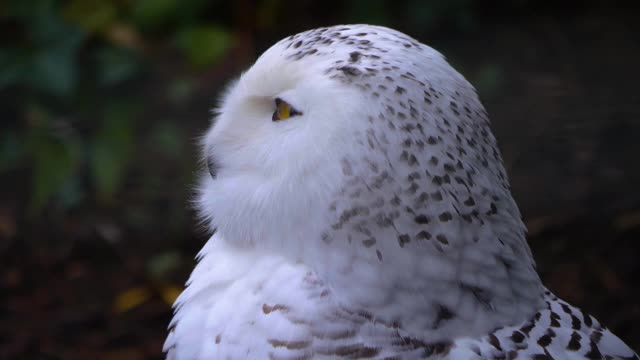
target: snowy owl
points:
(361, 210)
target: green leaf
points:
(70, 193)
(52, 66)
(53, 71)
(12, 150)
(160, 266)
(116, 65)
(156, 14)
(168, 138)
(91, 15)
(20, 9)
(13, 67)
(45, 58)
(55, 160)
(203, 45)
(111, 149)
(49, 30)
(150, 14)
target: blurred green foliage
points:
(45, 57)
(68, 70)
(194, 42)
(88, 88)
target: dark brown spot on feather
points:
(444, 314)
(574, 343)
(277, 307)
(350, 70)
(517, 336)
(357, 351)
(541, 357)
(403, 239)
(575, 322)
(527, 328)
(594, 352)
(553, 319)
(544, 340)
(290, 345)
(442, 239)
(445, 216)
(587, 319)
(495, 342)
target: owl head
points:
(356, 135)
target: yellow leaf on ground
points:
(131, 298)
(169, 293)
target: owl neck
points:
(416, 259)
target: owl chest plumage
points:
(251, 306)
(241, 304)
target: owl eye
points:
(284, 111)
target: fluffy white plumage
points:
(376, 222)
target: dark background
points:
(102, 101)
